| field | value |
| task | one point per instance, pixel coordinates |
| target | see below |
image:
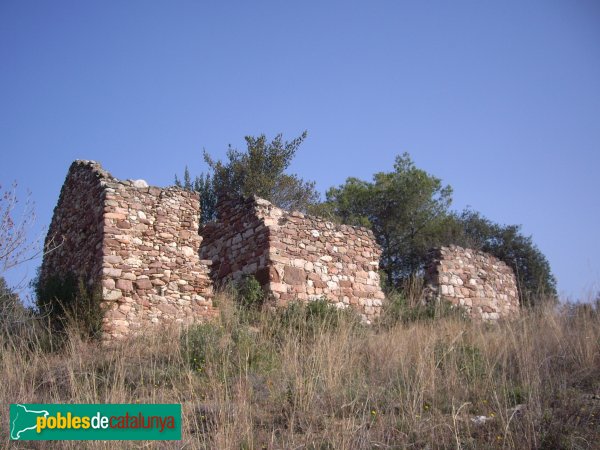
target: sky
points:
(501, 100)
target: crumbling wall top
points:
(107, 179)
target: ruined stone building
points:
(142, 245)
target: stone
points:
(292, 255)
(110, 272)
(140, 184)
(294, 275)
(187, 251)
(167, 308)
(113, 259)
(111, 294)
(143, 284)
(125, 285)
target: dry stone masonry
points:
(478, 282)
(139, 243)
(295, 256)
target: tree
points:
(534, 276)
(10, 303)
(260, 170)
(402, 208)
(15, 248)
(14, 316)
(407, 209)
(203, 184)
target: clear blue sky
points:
(499, 99)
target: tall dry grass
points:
(294, 380)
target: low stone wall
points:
(295, 256)
(478, 282)
(145, 249)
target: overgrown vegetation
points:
(311, 375)
(399, 308)
(249, 293)
(14, 317)
(67, 301)
(297, 378)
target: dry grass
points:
(277, 381)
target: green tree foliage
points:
(203, 184)
(67, 300)
(408, 211)
(259, 170)
(507, 243)
(403, 208)
(7, 296)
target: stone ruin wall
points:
(295, 256)
(237, 242)
(140, 243)
(74, 241)
(481, 284)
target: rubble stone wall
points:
(476, 281)
(141, 245)
(295, 256)
(74, 240)
(145, 249)
(237, 243)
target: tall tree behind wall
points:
(408, 211)
(402, 208)
(259, 170)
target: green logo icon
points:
(45, 422)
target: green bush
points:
(252, 353)
(200, 344)
(68, 301)
(250, 293)
(212, 350)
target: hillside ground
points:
(316, 378)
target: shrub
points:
(12, 311)
(212, 350)
(19, 325)
(200, 343)
(68, 301)
(250, 293)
